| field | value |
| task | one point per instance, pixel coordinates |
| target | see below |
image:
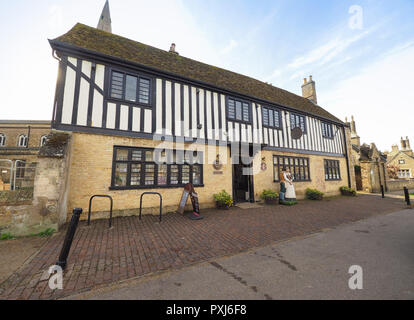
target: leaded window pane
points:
(149, 174)
(271, 119)
(144, 91)
(175, 173)
(122, 155)
(117, 85)
(131, 88)
(136, 174)
(197, 175)
(246, 112)
(162, 174)
(265, 117)
(238, 110)
(186, 174)
(231, 109)
(121, 172)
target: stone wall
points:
(398, 185)
(372, 174)
(21, 217)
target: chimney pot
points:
(310, 78)
(305, 81)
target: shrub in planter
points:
(314, 194)
(223, 200)
(345, 191)
(269, 196)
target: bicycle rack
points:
(140, 204)
(90, 207)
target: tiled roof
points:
(99, 41)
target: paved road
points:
(315, 267)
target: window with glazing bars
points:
(299, 167)
(332, 170)
(327, 131)
(131, 88)
(271, 118)
(238, 110)
(297, 121)
(135, 168)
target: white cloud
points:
(328, 51)
(380, 97)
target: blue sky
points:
(366, 72)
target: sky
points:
(360, 53)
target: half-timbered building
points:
(120, 99)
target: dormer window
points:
(22, 141)
(2, 140)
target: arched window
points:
(22, 141)
(2, 139)
(43, 140)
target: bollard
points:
(382, 191)
(69, 238)
(407, 196)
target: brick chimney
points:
(309, 90)
(172, 49)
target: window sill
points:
(152, 187)
(240, 121)
(272, 128)
(130, 103)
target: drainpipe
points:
(347, 159)
(28, 137)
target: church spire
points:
(105, 19)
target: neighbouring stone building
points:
(39, 204)
(20, 142)
(369, 163)
(402, 159)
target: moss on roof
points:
(119, 47)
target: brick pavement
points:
(132, 248)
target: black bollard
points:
(407, 196)
(69, 238)
(382, 191)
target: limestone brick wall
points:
(12, 135)
(91, 169)
(265, 179)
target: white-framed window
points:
(2, 139)
(22, 141)
(404, 173)
(43, 140)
